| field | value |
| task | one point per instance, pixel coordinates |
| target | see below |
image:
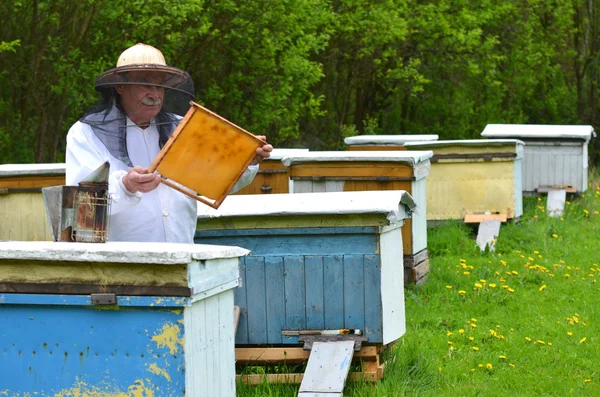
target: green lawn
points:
(521, 321)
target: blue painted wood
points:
(239, 296)
(354, 293)
(295, 299)
(256, 299)
(274, 283)
(333, 280)
(373, 309)
(287, 231)
(69, 349)
(86, 300)
(313, 277)
(302, 243)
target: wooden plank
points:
(372, 287)
(352, 169)
(414, 260)
(274, 281)
(315, 311)
(86, 289)
(333, 278)
(295, 299)
(354, 293)
(487, 234)
(62, 272)
(479, 218)
(31, 181)
(291, 355)
(546, 189)
(416, 274)
(555, 204)
(256, 304)
(257, 379)
(327, 367)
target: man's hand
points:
(139, 180)
(263, 152)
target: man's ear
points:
(119, 88)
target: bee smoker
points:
(80, 213)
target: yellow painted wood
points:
(457, 189)
(278, 181)
(49, 272)
(23, 217)
(275, 222)
(463, 149)
(358, 169)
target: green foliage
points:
(308, 73)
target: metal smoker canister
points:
(91, 211)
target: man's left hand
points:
(263, 152)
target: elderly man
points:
(143, 102)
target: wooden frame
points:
(205, 156)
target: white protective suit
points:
(162, 215)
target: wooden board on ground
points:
(478, 218)
(327, 368)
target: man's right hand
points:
(139, 180)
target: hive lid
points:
(387, 140)
(549, 131)
(394, 204)
(462, 142)
(279, 153)
(7, 170)
(402, 156)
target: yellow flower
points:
(462, 292)
(478, 285)
(554, 235)
(511, 290)
(475, 348)
(567, 275)
(492, 285)
(515, 272)
(449, 286)
(482, 281)
(461, 331)
(473, 325)
(528, 339)
(541, 342)
(582, 340)
(449, 342)
(488, 366)
(462, 260)
(587, 380)
(512, 365)
(471, 338)
(480, 365)
(502, 357)
(467, 273)
(570, 333)
(543, 287)
(549, 343)
(475, 320)
(449, 333)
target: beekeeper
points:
(143, 101)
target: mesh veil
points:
(109, 122)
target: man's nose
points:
(153, 91)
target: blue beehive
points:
(319, 261)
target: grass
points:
(521, 321)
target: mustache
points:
(152, 102)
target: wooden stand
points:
(370, 358)
(416, 268)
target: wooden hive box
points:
(372, 170)
(473, 177)
(272, 176)
(384, 142)
(555, 156)
(22, 210)
(117, 319)
(324, 261)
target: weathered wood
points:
(417, 274)
(358, 169)
(414, 260)
(327, 368)
(62, 272)
(31, 181)
(479, 218)
(291, 355)
(86, 289)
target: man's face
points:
(142, 102)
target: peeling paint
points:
(159, 371)
(82, 389)
(169, 337)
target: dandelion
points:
(554, 235)
(449, 342)
(449, 286)
(475, 348)
(478, 285)
(549, 343)
(583, 340)
(466, 273)
(471, 338)
(483, 281)
(488, 366)
(510, 290)
(536, 252)
(502, 357)
(480, 365)
(541, 342)
(474, 320)
(543, 287)
(473, 325)
(449, 333)
(512, 365)
(492, 285)
(461, 331)
(567, 275)
(586, 212)
(587, 380)
(528, 339)
(462, 292)
(515, 272)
